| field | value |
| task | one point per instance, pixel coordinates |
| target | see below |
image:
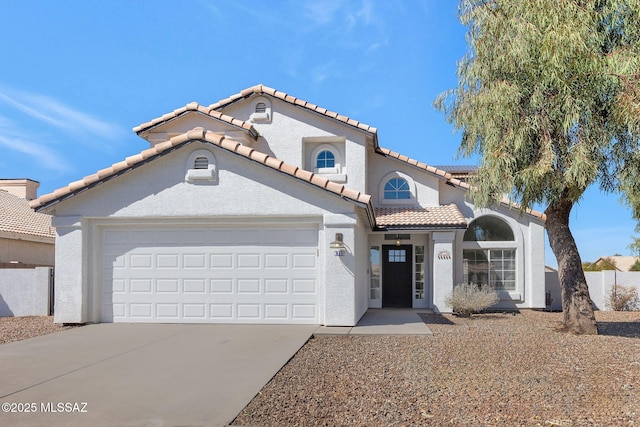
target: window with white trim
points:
(397, 189)
(495, 264)
(326, 159)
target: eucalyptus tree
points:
(548, 98)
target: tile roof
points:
(17, 217)
(447, 216)
(212, 110)
(200, 134)
(208, 111)
(451, 179)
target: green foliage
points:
(469, 298)
(549, 97)
(635, 267)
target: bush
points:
(623, 298)
(468, 298)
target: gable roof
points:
(207, 111)
(202, 135)
(259, 89)
(450, 179)
(19, 221)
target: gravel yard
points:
(20, 328)
(489, 370)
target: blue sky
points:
(76, 76)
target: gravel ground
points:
(488, 370)
(20, 328)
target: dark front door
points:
(396, 276)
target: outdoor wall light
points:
(398, 242)
(338, 243)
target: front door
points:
(396, 276)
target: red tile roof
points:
(16, 217)
(194, 106)
(432, 217)
(451, 179)
(212, 110)
(200, 134)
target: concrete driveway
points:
(142, 374)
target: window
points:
(493, 267)
(490, 254)
(397, 189)
(397, 255)
(374, 275)
(488, 229)
(325, 159)
(419, 271)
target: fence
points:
(599, 282)
(26, 291)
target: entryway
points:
(396, 276)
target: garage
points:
(209, 274)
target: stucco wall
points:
(425, 186)
(26, 252)
(24, 291)
(600, 286)
(245, 192)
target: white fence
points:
(26, 291)
(600, 284)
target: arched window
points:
(495, 262)
(397, 189)
(488, 229)
(325, 159)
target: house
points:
(27, 238)
(264, 208)
(621, 263)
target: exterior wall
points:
(600, 285)
(25, 292)
(244, 193)
(27, 253)
(425, 186)
(529, 244)
(283, 137)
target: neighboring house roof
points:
(433, 217)
(19, 221)
(208, 111)
(622, 263)
(256, 90)
(200, 134)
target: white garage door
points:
(209, 275)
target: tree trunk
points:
(576, 302)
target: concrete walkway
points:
(383, 321)
(142, 374)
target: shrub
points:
(623, 298)
(468, 298)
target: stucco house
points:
(27, 238)
(264, 208)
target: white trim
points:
(518, 294)
(337, 169)
(264, 117)
(412, 200)
(210, 174)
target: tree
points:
(548, 97)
